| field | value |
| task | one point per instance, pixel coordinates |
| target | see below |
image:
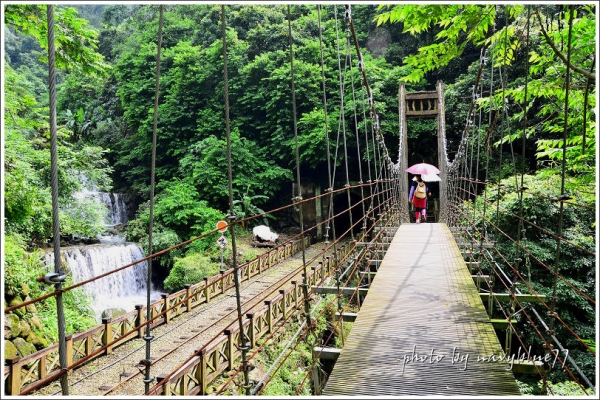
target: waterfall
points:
(123, 289)
(116, 207)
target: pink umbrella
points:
(423, 169)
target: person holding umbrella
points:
(418, 195)
(418, 190)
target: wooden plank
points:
(421, 327)
(346, 317)
(326, 353)
(501, 324)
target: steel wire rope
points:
(244, 347)
(343, 124)
(489, 133)
(341, 114)
(306, 299)
(386, 159)
(358, 154)
(329, 176)
(296, 308)
(578, 247)
(58, 276)
(579, 291)
(553, 337)
(147, 362)
(509, 281)
(326, 126)
(297, 158)
(483, 60)
(541, 321)
(335, 325)
(367, 151)
(210, 306)
(281, 282)
(563, 195)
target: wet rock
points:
(113, 313)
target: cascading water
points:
(116, 206)
(123, 289)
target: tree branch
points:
(585, 73)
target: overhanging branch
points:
(585, 73)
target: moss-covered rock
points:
(24, 348)
(25, 328)
(38, 341)
(25, 290)
(12, 323)
(10, 350)
(15, 302)
(30, 308)
(36, 323)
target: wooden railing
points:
(42, 367)
(221, 354)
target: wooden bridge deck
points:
(422, 327)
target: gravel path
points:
(102, 375)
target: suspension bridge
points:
(428, 303)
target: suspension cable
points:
(148, 336)
(563, 196)
(358, 155)
(59, 275)
(330, 210)
(244, 347)
(299, 189)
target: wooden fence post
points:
(14, 376)
(165, 297)
(107, 337)
(68, 350)
(269, 315)
(188, 297)
(139, 320)
(206, 289)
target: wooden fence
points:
(22, 374)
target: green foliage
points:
(190, 269)
(84, 216)
(246, 207)
(28, 205)
(460, 24)
(78, 312)
(566, 388)
(576, 260)
(253, 173)
(75, 40)
(179, 215)
(293, 370)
